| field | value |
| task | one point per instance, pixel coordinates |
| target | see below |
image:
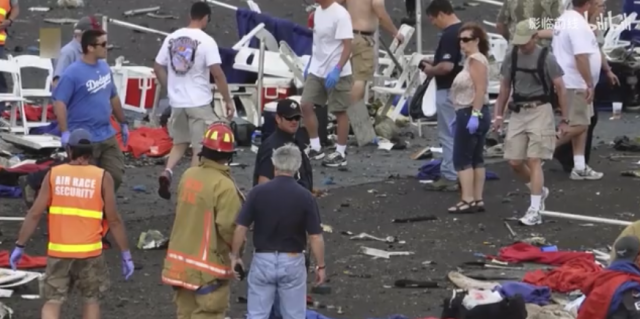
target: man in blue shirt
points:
(85, 97)
(72, 51)
(446, 64)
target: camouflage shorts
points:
(89, 276)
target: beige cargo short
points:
(89, 276)
(531, 134)
(213, 305)
(362, 57)
(580, 112)
(187, 125)
(337, 99)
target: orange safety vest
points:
(5, 7)
(76, 215)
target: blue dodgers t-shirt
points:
(86, 90)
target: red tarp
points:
(152, 142)
(566, 278)
(26, 262)
(33, 113)
(523, 252)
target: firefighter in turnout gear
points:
(197, 263)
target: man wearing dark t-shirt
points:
(447, 63)
(288, 116)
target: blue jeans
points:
(468, 149)
(281, 277)
(446, 113)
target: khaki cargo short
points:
(187, 125)
(531, 134)
(210, 306)
(362, 57)
(108, 156)
(580, 112)
(90, 276)
(338, 99)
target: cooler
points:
(274, 89)
(137, 87)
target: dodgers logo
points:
(182, 51)
(94, 86)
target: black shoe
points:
(410, 19)
(315, 155)
(28, 193)
(335, 159)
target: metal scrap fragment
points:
(61, 21)
(39, 9)
(162, 16)
(135, 12)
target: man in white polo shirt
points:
(190, 55)
(576, 49)
(328, 78)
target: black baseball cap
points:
(626, 248)
(288, 108)
(79, 138)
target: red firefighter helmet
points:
(219, 137)
(310, 19)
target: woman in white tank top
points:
(472, 122)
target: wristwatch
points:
(321, 267)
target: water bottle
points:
(256, 138)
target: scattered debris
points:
(407, 283)
(326, 228)
(62, 21)
(513, 233)
(379, 253)
(39, 9)
(5, 312)
(152, 239)
(321, 290)
(136, 12)
(70, 3)
(352, 275)
(414, 219)
(428, 262)
(328, 181)
(365, 236)
(422, 154)
(162, 16)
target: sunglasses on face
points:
(103, 44)
(293, 118)
(466, 39)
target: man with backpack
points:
(530, 75)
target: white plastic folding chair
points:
(43, 94)
(13, 98)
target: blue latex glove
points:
(16, 255)
(474, 122)
(332, 79)
(124, 132)
(65, 138)
(452, 127)
(127, 265)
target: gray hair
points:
(287, 159)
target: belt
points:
(530, 105)
(274, 251)
(365, 33)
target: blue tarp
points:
(299, 38)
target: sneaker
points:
(28, 193)
(545, 195)
(315, 155)
(531, 218)
(335, 159)
(442, 185)
(585, 174)
(164, 182)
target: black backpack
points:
(539, 73)
(508, 308)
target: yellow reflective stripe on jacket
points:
(66, 211)
(75, 248)
(3, 12)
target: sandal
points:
(479, 205)
(462, 207)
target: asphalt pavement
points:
(377, 187)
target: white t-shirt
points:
(573, 35)
(331, 26)
(188, 53)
